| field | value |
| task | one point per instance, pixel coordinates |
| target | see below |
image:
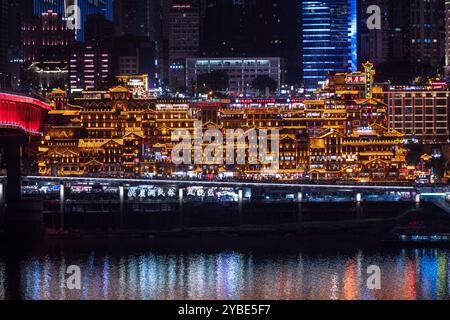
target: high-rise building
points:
(392, 41)
(89, 68)
(46, 45)
(3, 36)
(46, 37)
(227, 28)
(251, 28)
(126, 17)
(138, 25)
(138, 18)
(329, 39)
(410, 42)
(447, 39)
(375, 43)
(241, 71)
(427, 34)
(58, 6)
(422, 114)
(18, 12)
(184, 34)
(86, 8)
(99, 31)
(136, 56)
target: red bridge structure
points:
(21, 116)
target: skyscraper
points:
(251, 28)
(3, 36)
(389, 46)
(86, 7)
(427, 34)
(46, 37)
(136, 56)
(99, 31)
(138, 27)
(227, 27)
(447, 38)
(410, 42)
(138, 18)
(46, 45)
(375, 43)
(329, 39)
(90, 68)
(184, 34)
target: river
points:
(166, 271)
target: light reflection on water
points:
(2, 280)
(406, 274)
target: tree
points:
(263, 83)
(215, 81)
(414, 153)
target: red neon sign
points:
(209, 104)
(265, 101)
(355, 79)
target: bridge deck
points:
(234, 184)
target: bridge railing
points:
(33, 95)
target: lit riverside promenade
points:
(129, 205)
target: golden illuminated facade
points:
(341, 135)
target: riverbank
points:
(358, 228)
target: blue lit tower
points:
(329, 39)
(87, 7)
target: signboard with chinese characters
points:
(355, 79)
(370, 74)
(137, 84)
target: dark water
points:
(162, 273)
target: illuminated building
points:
(241, 29)
(99, 31)
(57, 6)
(342, 135)
(49, 74)
(138, 18)
(447, 38)
(135, 56)
(87, 7)
(329, 39)
(391, 43)
(3, 37)
(110, 133)
(90, 68)
(18, 12)
(46, 36)
(184, 38)
(421, 113)
(241, 71)
(137, 84)
(427, 33)
(46, 43)
(411, 40)
(375, 44)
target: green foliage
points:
(261, 83)
(215, 81)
